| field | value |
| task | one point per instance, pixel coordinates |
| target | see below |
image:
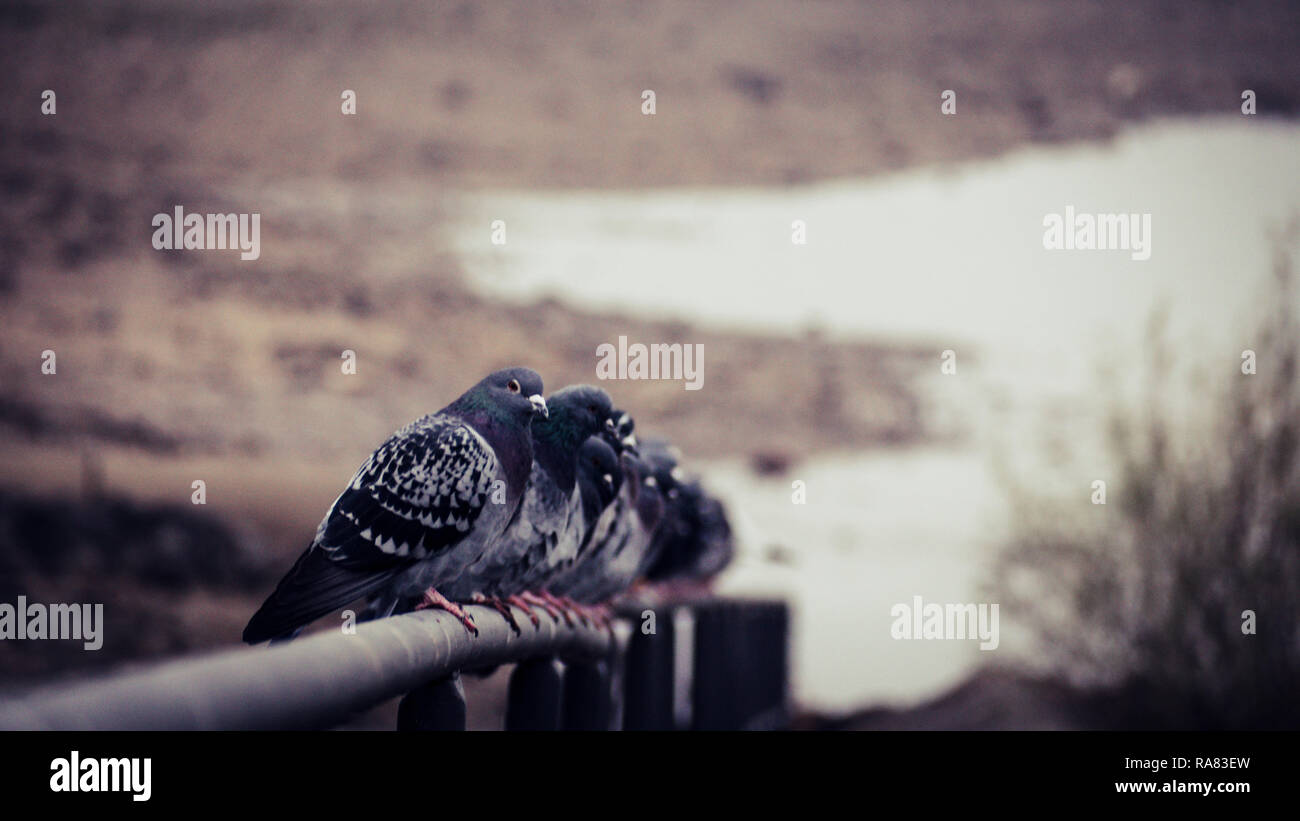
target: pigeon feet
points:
(568, 607)
(536, 600)
(502, 608)
(565, 606)
(434, 599)
(518, 601)
(591, 615)
(600, 614)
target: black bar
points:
(439, 705)
(713, 701)
(534, 699)
(648, 676)
(586, 696)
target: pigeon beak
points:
(539, 405)
(609, 481)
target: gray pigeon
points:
(548, 528)
(699, 544)
(600, 480)
(663, 459)
(616, 562)
(600, 477)
(422, 509)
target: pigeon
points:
(600, 480)
(695, 543)
(616, 562)
(717, 545)
(424, 507)
(699, 545)
(624, 428)
(623, 446)
(662, 459)
(549, 526)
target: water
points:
(877, 529)
(951, 258)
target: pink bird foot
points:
(501, 607)
(538, 601)
(435, 600)
(567, 606)
(601, 614)
(518, 601)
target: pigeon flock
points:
(505, 498)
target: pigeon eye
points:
(513, 386)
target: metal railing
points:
(711, 664)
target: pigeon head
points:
(599, 476)
(507, 395)
(618, 430)
(576, 413)
(649, 501)
(661, 460)
(697, 544)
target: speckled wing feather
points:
(416, 496)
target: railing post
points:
(648, 676)
(586, 696)
(740, 665)
(713, 700)
(438, 705)
(533, 702)
(752, 638)
(776, 645)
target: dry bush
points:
(1149, 599)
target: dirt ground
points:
(175, 367)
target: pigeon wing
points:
(416, 496)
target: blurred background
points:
(822, 360)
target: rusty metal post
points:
(438, 705)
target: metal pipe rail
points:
(737, 677)
(312, 682)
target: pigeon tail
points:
(314, 587)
